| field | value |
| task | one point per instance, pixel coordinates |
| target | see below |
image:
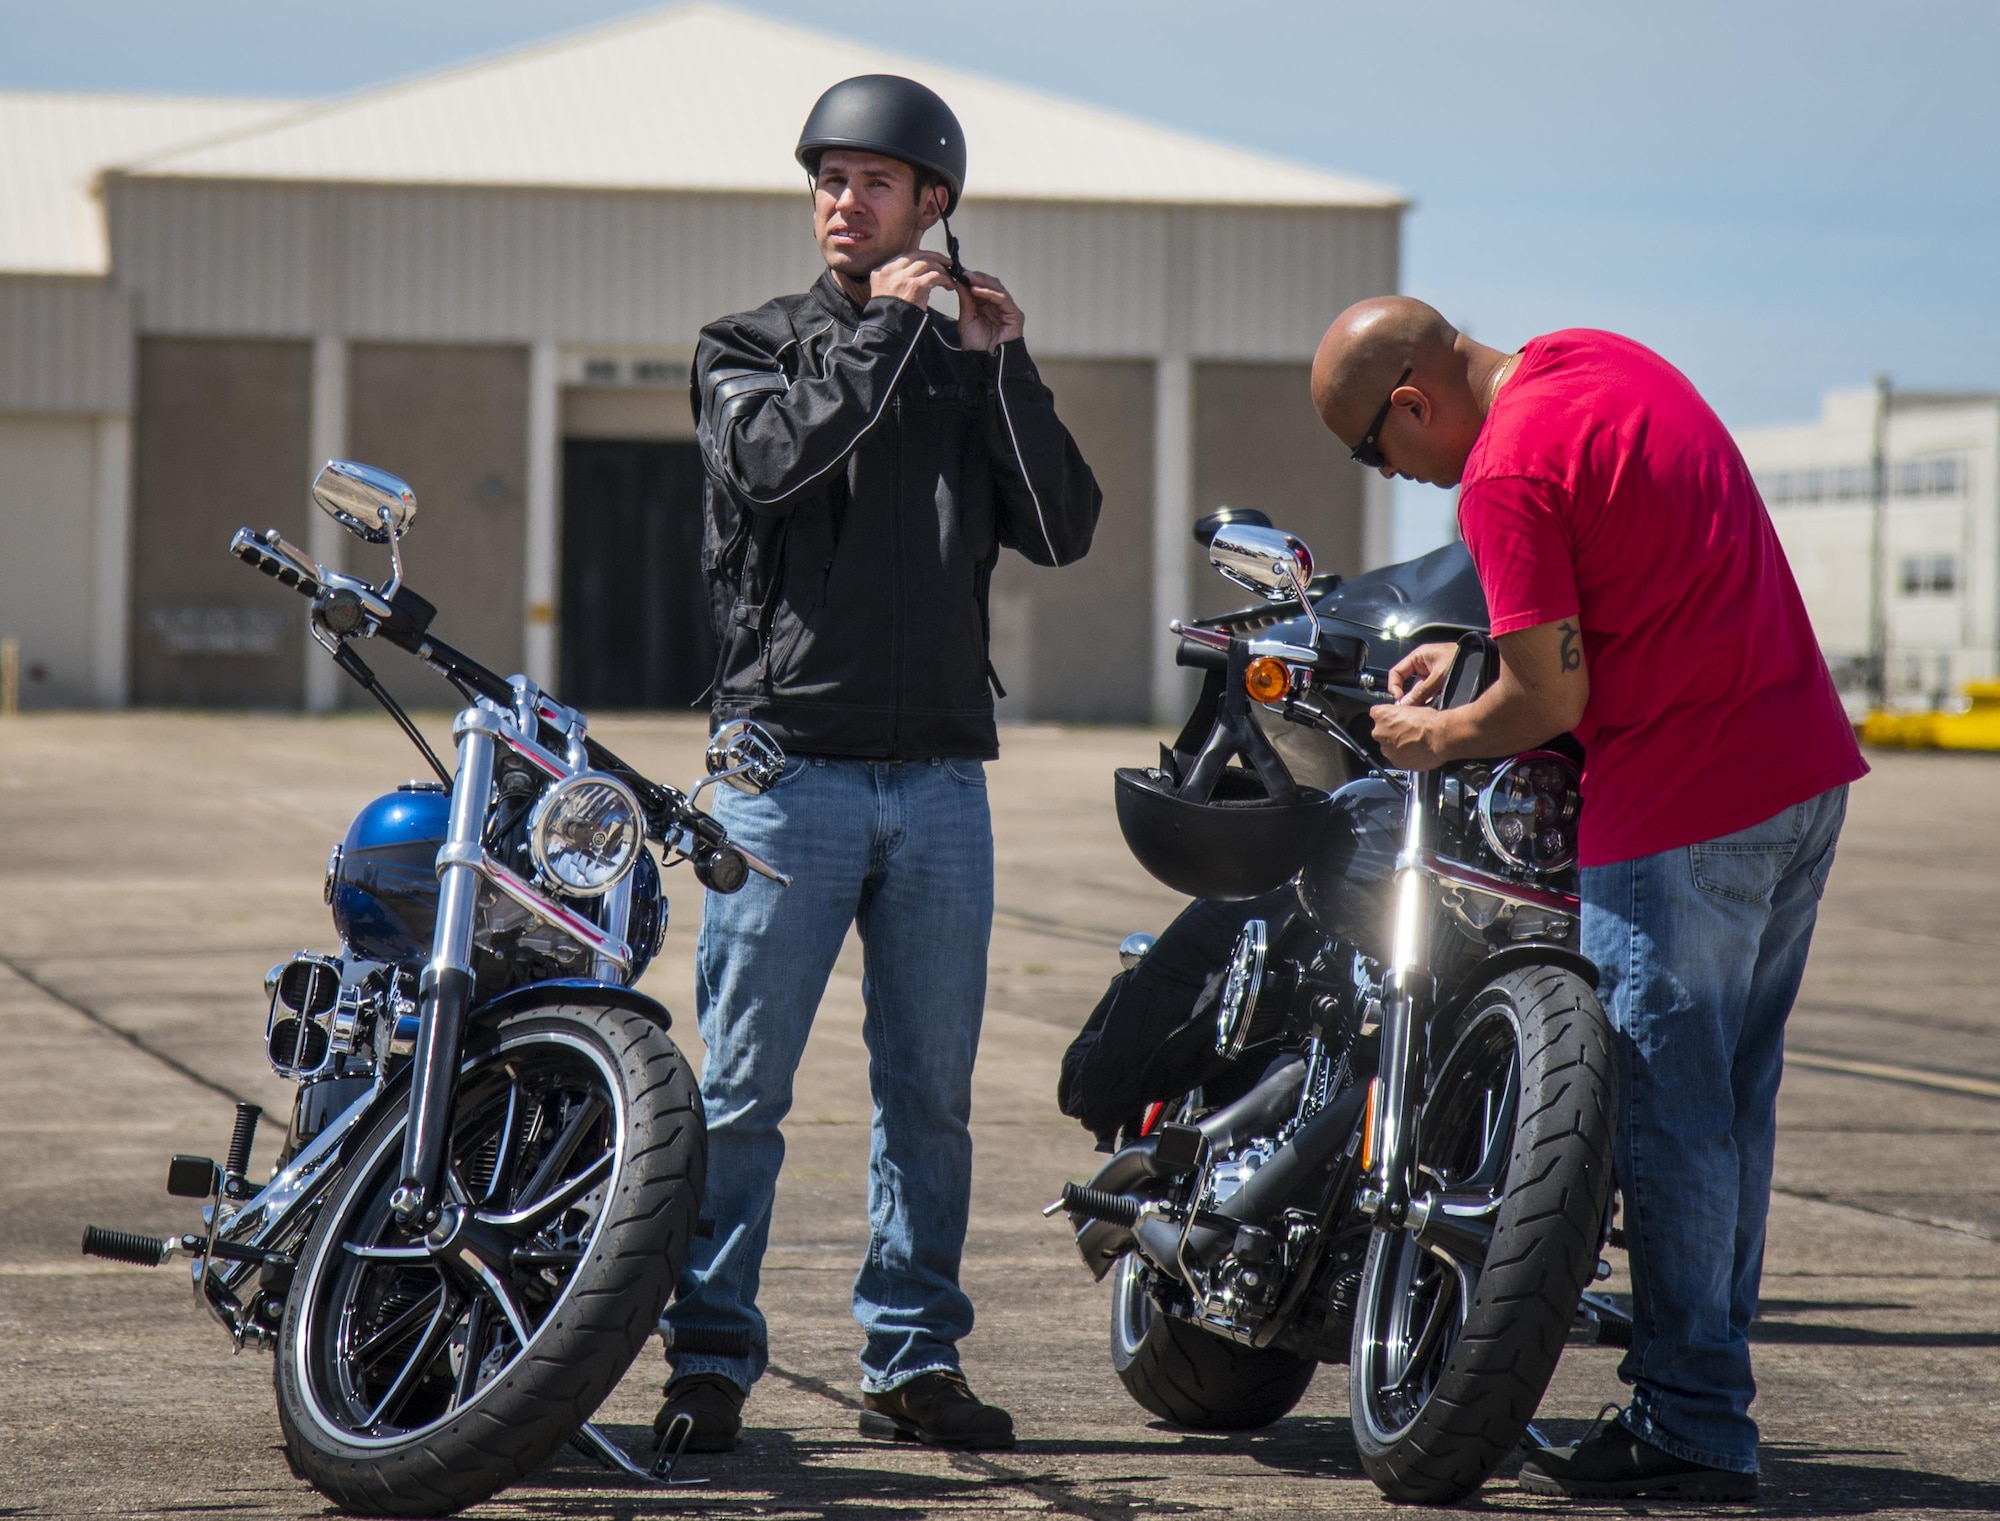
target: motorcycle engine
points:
(1230, 1172)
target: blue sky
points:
(1779, 196)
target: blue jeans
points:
(1700, 951)
(905, 852)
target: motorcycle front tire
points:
(627, 1240)
(1556, 1167)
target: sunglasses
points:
(1368, 452)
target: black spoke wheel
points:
(419, 1371)
(1464, 1311)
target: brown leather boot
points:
(939, 1410)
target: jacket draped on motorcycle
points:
(864, 472)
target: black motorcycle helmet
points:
(1239, 842)
(888, 114)
(1214, 829)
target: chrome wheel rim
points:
(1421, 1280)
(401, 1332)
(1132, 1308)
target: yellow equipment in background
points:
(1977, 728)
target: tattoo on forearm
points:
(1572, 657)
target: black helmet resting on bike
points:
(1214, 830)
(890, 115)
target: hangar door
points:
(635, 630)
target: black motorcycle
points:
(1361, 1093)
(495, 1159)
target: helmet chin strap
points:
(951, 249)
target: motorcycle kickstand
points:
(673, 1444)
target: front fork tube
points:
(444, 993)
(1406, 1007)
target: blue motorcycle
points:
(493, 1170)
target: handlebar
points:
(403, 618)
(284, 562)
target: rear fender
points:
(1100, 1242)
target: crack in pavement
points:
(1951, 1227)
(131, 1038)
(1051, 1491)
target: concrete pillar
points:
(544, 516)
(1378, 520)
(326, 540)
(1173, 519)
(111, 569)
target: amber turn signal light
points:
(1266, 679)
(1368, 1125)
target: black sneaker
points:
(939, 1410)
(1613, 1464)
(713, 1403)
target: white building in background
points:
(491, 280)
(1940, 556)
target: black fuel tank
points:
(1347, 886)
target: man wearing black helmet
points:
(867, 460)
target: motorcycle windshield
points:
(1438, 590)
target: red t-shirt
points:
(1603, 488)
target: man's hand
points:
(987, 314)
(1419, 674)
(1541, 692)
(1412, 738)
(911, 278)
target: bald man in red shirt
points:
(1641, 601)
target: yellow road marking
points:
(1978, 1087)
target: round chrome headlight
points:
(586, 834)
(1529, 811)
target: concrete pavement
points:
(151, 867)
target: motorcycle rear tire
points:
(632, 1242)
(1191, 1377)
(1544, 1246)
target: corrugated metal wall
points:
(449, 264)
(65, 345)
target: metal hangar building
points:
(490, 282)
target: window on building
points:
(1930, 575)
(1853, 482)
(1947, 475)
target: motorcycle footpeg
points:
(128, 1246)
(1086, 1203)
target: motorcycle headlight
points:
(1529, 811)
(586, 834)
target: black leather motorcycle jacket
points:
(864, 472)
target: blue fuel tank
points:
(385, 887)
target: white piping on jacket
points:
(1000, 385)
(839, 459)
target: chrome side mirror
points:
(1267, 561)
(742, 754)
(371, 503)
